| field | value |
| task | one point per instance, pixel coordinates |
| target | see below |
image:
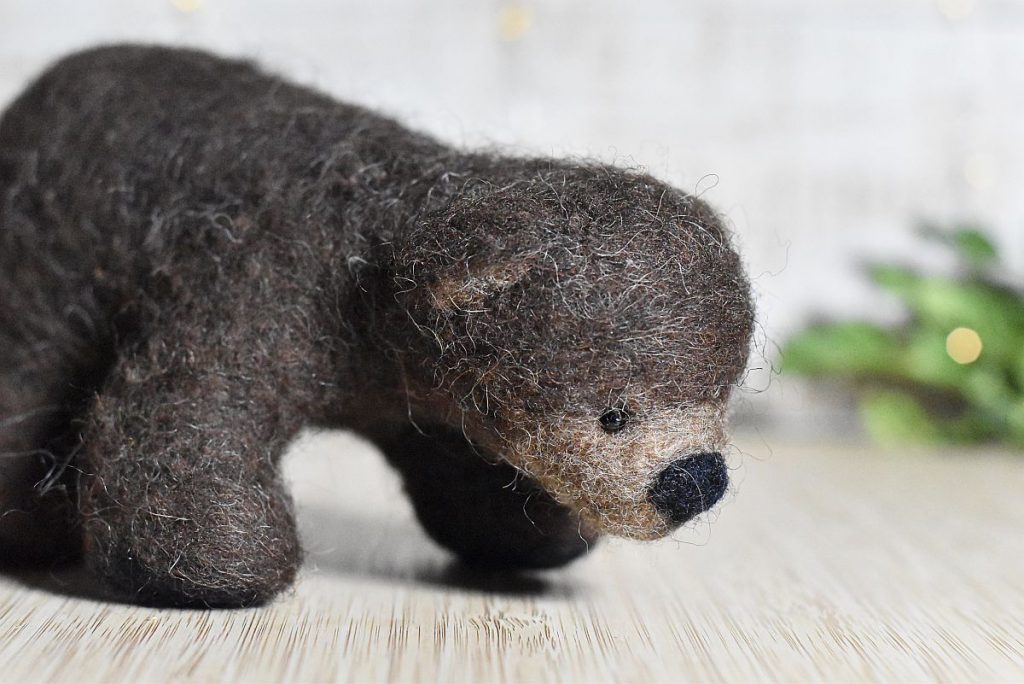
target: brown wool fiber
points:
(197, 259)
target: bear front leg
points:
(181, 497)
(485, 511)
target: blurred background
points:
(825, 132)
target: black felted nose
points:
(690, 486)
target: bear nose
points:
(690, 486)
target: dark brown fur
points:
(197, 259)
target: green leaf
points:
(971, 244)
(840, 349)
(899, 280)
(894, 418)
(989, 389)
(970, 427)
(1015, 423)
(925, 360)
(974, 248)
(1017, 369)
(944, 304)
(996, 315)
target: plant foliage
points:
(910, 386)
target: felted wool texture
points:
(619, 291)
(484, 509)
(608, 477)
(198, 258)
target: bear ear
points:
(472, 288)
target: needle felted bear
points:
(198, 259)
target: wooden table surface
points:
(824, 564)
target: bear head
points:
(585, 324)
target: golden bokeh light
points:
(187, 6)
(964, 345)
(514, 21)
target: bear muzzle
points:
(641, 483)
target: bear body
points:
(198, 259)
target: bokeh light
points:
(964, 345)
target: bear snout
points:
(689, 486)
(640, 483)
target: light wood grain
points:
(829, 564)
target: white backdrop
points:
(823, 129)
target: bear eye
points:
(614, 419)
